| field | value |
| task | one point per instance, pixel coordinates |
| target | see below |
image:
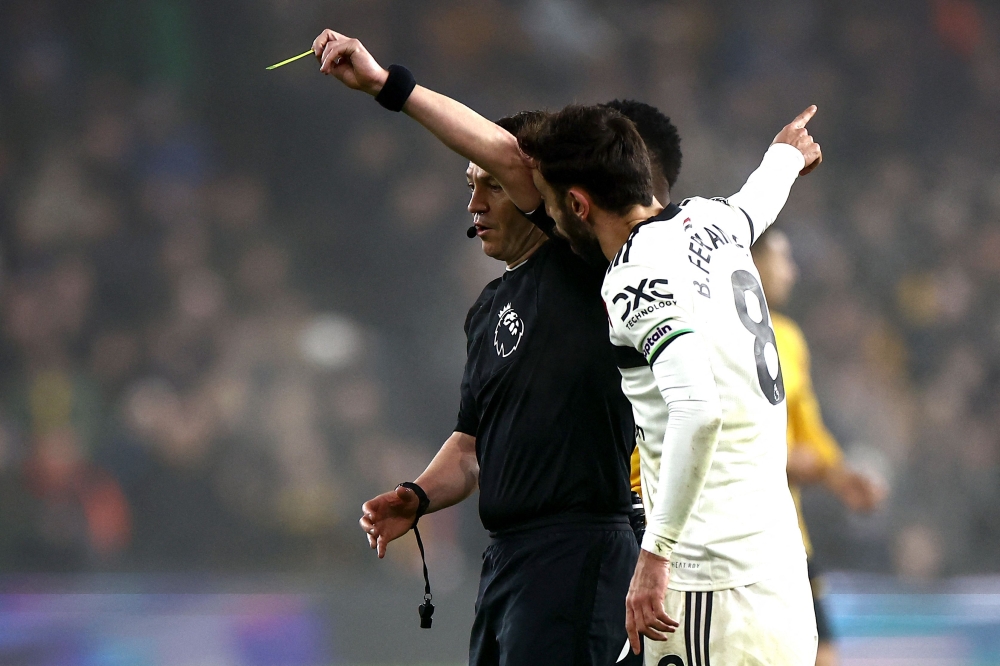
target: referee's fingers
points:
(368, 508)
(382, 543)
(334, 52)
(320, 42)
(366, 523)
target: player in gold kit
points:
(813, 454)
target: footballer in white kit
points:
(705, 384)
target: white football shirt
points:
(684, 293)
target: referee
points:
(543, 428)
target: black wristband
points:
(397, 88)
(423, 501)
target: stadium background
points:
(232, 300)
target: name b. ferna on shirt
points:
(509, 331)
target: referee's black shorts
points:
(553, 593)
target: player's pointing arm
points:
(457, 126)
(793, 153)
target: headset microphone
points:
(471, 231)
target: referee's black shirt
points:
(542, 394)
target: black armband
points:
(397, 88)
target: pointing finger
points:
(804, 117)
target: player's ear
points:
(578, 202)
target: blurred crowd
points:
(231, 300)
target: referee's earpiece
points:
(471, 231)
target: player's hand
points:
(644, 613)
(796, 134)
(388, 516)
(349, 61)
(804, 466)
(859, 492)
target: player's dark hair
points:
(659, 134)
(595, 148)
(520, 121)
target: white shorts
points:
(770, 622)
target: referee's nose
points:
(478, 203)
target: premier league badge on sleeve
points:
(508, 333)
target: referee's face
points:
(503, 230)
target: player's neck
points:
(613, 230)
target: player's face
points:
(777, 268)
(501, 227)
(569, 225)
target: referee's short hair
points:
(593, 147)
(521, 121)
(660, 135)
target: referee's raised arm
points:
(458, 127)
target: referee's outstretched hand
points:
(349, 61)
(644, 612)
(388, 516)
(796, 134)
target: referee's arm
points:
(451, 476)
(458, 127)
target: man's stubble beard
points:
(582, 239)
